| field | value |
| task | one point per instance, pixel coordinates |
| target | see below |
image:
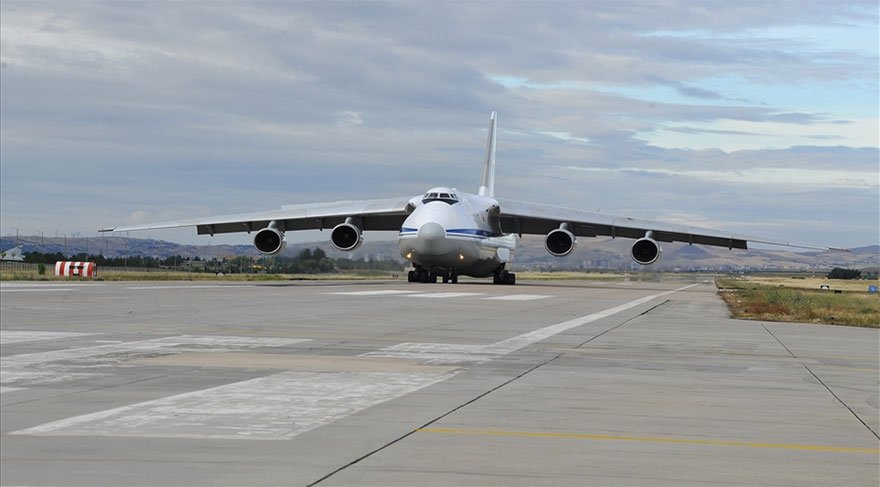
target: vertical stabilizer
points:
(487, 181)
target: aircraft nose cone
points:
(431, 232)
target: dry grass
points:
(812, 283)
(748, 299)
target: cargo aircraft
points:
(446, 233)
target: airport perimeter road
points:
(413, 384)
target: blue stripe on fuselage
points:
(462, 232)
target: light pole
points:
(16, 235)
(41, 240)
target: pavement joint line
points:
(804, 364)
(649, 439)
(621, 324)
(555, 329)
(429, 423)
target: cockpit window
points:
(448, 198)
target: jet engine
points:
(645, 251)
(269, 240)
(346, 236)
(560, 242)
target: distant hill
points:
(591, 253)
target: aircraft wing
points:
(537, 219)
(380, 214)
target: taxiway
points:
(389, 383)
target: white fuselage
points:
(459, 234)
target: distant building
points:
(14, 254)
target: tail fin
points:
(487, 181)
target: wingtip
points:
(108, 229)
(493, 115)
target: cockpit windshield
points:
(448, 198)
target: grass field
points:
(796, 300)
(813, 283)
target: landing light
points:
(408, 255)
(460, 256)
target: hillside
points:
(597, 253)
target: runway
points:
(389, 383)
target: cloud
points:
(202, 108)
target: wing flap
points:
(381, 214)
(536, 219)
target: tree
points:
(839, 273)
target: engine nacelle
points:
(645, 251)
(269, 241)
(560, 242)
(346, 236)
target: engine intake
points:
(560, 242)
(269, 241)
(346, 236)
(645, 251)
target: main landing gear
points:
(504, 277)
(421, 275)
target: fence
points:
(11, 265)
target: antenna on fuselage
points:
(487, 181)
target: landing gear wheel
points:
(445, 279)
(411, 276)
(454, 279)
(505, 277)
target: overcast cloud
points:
(758, 117)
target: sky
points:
(756, 117)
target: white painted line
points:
(277, 407)
(4, 389)
(444, 353)
(21, 285)
(194, 286)
(512, 344)
(13, 336)
(35, 290)
(373, 293)
(443, 295)
(520, 297)
(435, 353)
(80, 363)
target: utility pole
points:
(16, 235)
(41, 240)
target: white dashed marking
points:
(443, 295)
(373, 293)
(196, 286)
(35, 290)
(80, 363)
(277, 407)
(12, 336)
(444, 353)
(520, 297)
(435, 353)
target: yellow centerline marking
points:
(649, 439)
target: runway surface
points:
(389, 383)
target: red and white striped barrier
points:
(82, 269)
